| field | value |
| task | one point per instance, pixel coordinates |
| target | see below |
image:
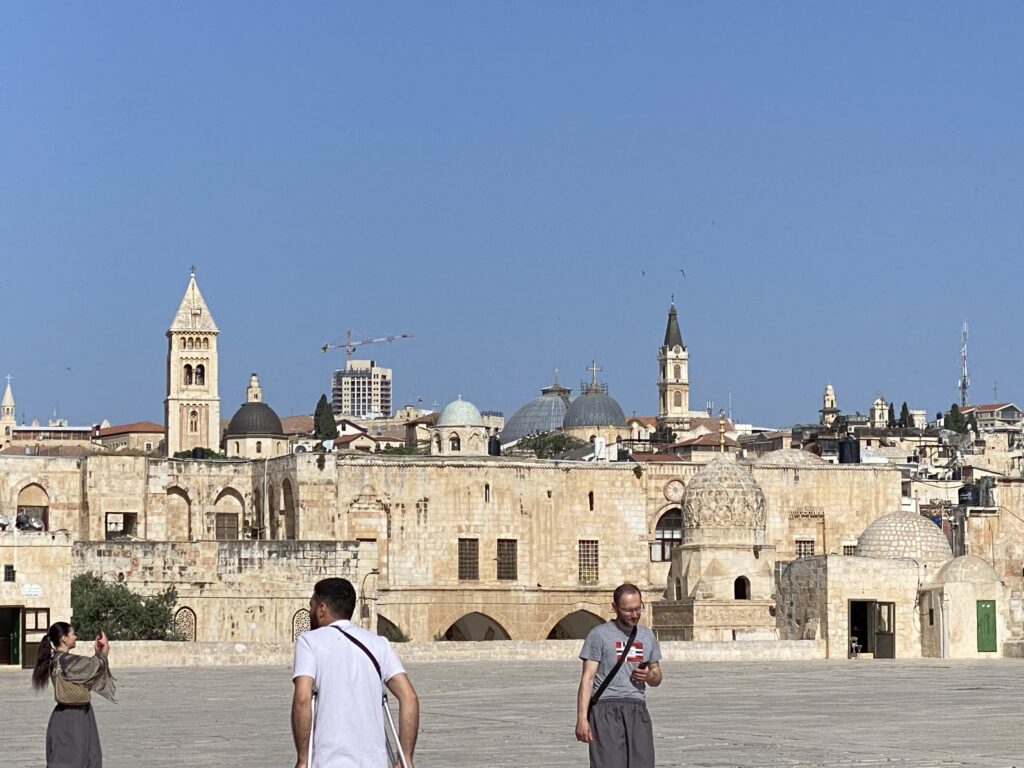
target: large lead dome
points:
(594, 408)
(542, 414)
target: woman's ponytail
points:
(41, 671)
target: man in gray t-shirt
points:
(617, 726)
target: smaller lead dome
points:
(791, 457)
(255, 418)
(904, 535)
(460, 413)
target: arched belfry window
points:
(193, 421)
(188, 374)
(677, 399)
(206, 343)
(677, 372)
(200, 374)
(668, 533)
(191, 343)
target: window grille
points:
(849, 549)
(508, 556)
(8, 573)
(469, 559)
(227, 526)
(805, 547)
(588, 561)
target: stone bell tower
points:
(192, 407)
(673, 376)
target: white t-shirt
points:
(348, 722)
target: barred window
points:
(588, 561)
(805, 547)
(849, 549)
(469, 559)
(227, 526)
(8, 573)
(508, 554)
(422, 507)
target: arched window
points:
(454, 444)
(259, 446)
(206, 343)
(193, 422)
(300, 623)
(191, 343)
(668, 533)
(487, 493)
(590, 500)
(237, 447)
(200, 375)
(741, 588)
(185, 624)
(677, 372)
(182, 342)
(677, 399)
(188, 374)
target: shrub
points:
(123, 614)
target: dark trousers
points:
(622, 734)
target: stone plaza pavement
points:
(856, 713)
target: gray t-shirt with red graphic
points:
(605, 644)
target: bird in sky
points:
(683, 271)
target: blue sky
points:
(516, 184)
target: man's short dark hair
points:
(338, 595)
(625, 589)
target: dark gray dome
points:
(542, 414)
(255, 419)
(594, 408)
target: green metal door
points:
(986, 626)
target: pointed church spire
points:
(8, 401)
(673, 338)
(193, 314)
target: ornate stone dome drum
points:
(723, 504)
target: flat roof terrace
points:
(745, 714)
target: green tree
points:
(906, 421)
(955, 420)
(547, 445)
(892, 416)
(324, 425)
(121, 613)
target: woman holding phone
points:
(72, 740)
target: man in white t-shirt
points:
(347, 723)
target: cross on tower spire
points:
(594, 370)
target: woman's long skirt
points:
(72, 740)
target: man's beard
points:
(314, 623)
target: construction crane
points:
(350, 345)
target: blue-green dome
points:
(460, 413)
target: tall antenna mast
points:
(965, 381)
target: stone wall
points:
(156, 654)
(246, 591)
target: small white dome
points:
(966, 568)
(460, 413)
(791, 457)
(904, 535)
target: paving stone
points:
(897, 714)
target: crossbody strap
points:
(615, 670)
(376, 664)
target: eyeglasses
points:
(631, 611)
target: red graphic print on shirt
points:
(636, 651)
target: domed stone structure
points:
(722, 501)
(967, 568)
(459, 431)
(904, 535)
(594, 409)
(255, 431)
(791, 457)
(720, 581)
(460, 413)
(542, 414)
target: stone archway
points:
(33, 511)
(476, 626)
(575, 626)
(228, 510)
(178, 515)
(289, 522)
